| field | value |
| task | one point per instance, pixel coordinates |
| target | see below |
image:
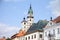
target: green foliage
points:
(8, 39)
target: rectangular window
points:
(40, 35)
(54, 32)
(23, 39)
(58, 30)
(35, 36)
(49, 31)
(45, 33)
(28, 37)
(32, 36)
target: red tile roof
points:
(14, 36)
(2, 38)
(21, 33)
(56, 20)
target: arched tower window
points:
(30, 19)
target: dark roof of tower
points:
(50, 18)
(30, 17)
(30, 11)
(37, 26)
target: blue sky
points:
(12, 13)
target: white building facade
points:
(52, 30)
(32, 36)
(30, 20)
(30, 30)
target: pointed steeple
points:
(50, 18)
(30, 10)
(30, 6)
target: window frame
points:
(40, 35)
(45, 33)
(58, 29)
(34, 35)
(28, 37)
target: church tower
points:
(30, 16)
(24, 23)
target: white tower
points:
(24, 23)
(30, 16)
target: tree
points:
(8, 39)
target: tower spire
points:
(30, 11)
(50, 18)
(30, 6)
(30, 16)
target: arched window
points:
(30, 19)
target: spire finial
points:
(30, 10)
(30, 6)
(24, 18)
(50, 18)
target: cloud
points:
(7, 31)
(54, 5)
(14, 0)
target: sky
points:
(12, 13)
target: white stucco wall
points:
(36, 33)
(37, 36)
(50, 29)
